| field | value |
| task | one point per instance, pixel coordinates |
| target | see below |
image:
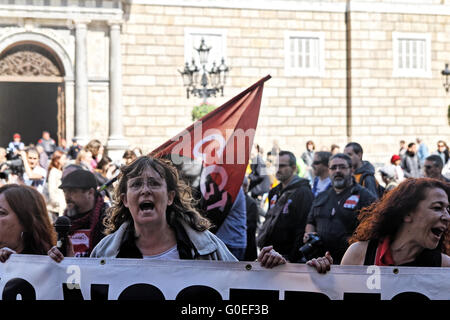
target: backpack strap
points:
(371, 252)
(272, 216)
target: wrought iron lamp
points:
(211, 81)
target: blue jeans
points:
(239, 253)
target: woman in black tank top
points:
(409, 226)
(427, 258)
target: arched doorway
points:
(32, 93)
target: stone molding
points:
(28, 63)
(36, 36)
(59, 10)
(286, 5)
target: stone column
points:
(81, 84)
(116, 142)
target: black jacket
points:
(367, 177)
(334, 217)
(259, 180)
(290, 226)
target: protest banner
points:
(30, 277)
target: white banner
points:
(39, 277)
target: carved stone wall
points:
(28, 62)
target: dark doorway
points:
(28, 108)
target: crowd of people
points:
(400, 218)
(321, 208)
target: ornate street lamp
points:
(446, 73)
(210, 82)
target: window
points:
(412, 57)
(303, 53)
(214, 38)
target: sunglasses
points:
(317, 162)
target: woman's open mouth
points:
(147, 205)
(438, 231)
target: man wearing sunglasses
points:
(333, 214)
(322, 179)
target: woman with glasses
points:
(152, 217)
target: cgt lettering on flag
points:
(213, 153)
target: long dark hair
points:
(29, 206)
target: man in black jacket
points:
(333, 215)
(289, 204)
(363, 171)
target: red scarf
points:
(93, 218)
(384, 254)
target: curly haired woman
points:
(153, 218)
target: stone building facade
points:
(366, 71)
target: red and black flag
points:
(214, 151)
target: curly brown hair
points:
(181, 209)
(385, 216)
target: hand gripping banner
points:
(213, 153)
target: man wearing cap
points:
(16, 145)
(86, 210)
